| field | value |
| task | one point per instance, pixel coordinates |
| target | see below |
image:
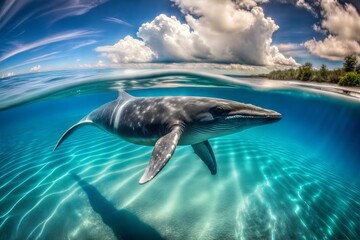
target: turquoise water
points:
(298, 178)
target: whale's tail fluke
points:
(71, 130)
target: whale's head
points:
(217, 117)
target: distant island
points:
(348, 75)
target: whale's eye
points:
(220, 110)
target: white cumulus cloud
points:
(293, 49)
(215, 31)
(100, 63)
(307, 6)
(342, 23)
(235, 31)
(35, 68)
(9, 74)
(127, 50)
(333, 47)
(173, 41)
(341, 20)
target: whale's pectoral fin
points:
(163, 150)
(204, 151)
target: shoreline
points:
(352, 92)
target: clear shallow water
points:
(295, 179)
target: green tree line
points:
(348, 75)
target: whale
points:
(166, 122)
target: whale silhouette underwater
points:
(165, 122)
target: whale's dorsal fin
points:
(163, 150)
(123, 95)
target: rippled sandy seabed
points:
(295, 179)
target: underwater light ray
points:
(39, 184)
(120, 170)
(128, 179)
(86, 163)
(217, 191)
(58, 180)
(298, 188)
(4, 221)
(135, 196)
(239, 193)
(20, 173)
(39, 202)
(52, 214)
(344, 210)
(24, 181)
(272, 177)
(89, 164)
(244, 211)
(14, 169)
(52, 170)
(175, 194)
(329, 201)
(11, 166)
(139, 193)
(100, 175)
(23, 196)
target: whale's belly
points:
(141, 141)
(190, 137)
(141, 135)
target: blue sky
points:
(40, 35)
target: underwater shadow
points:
(124, 224)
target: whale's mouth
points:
(253, 116)
(271, 115)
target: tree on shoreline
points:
(323, 72)
(306, 71)
(351, 79)
(350, 63)
(349, 75)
